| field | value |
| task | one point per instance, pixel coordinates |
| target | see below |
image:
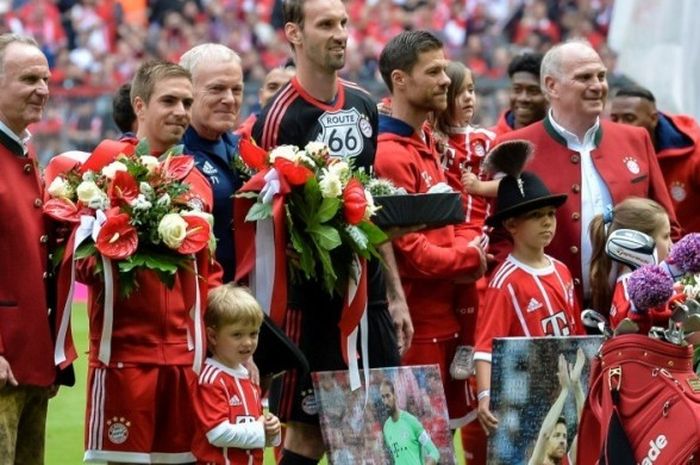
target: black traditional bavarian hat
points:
(519, 191)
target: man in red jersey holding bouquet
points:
(145, 348)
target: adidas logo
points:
(234, 400)
(208, 168)
(533, 305)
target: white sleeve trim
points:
(250, 435)
(484, 356)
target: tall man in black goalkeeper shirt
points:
(318, 105)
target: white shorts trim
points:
(138, 457)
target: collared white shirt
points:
(594, 191)
(22, 139)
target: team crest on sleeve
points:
(678, 192)
(632, 165)
(118, 430)
(343, 131)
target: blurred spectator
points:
(99, 43)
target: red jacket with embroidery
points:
(523, 301)
(678, 151)
(625, 160)
(430, 260)
(25, 336)
(154, 325)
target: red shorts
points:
(442, 352)
(140, 414)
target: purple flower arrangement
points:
(648, 287)
(685, 254)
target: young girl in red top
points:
(608, 278)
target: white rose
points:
(340, 168)
(330, 185)
(60, 188)
(110, 170)
(88, 192)
(316, 149)
(172, 229)
(284, 151)
(150, 162)
(371, 208)
(303, 157)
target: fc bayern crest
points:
(308, 402)
(118, 430)
(678, 192)
(477, 148)
(632, 165)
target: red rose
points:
(198, 233)
(117, 238)
(354, 201)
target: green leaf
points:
(329, 276)
(312, 195)
(85, 250)
(259, 211)
(247, 195)
(176, 150)
(373, 232)
(57, 256)
(326, 237)
(306, 259)
(328, 209)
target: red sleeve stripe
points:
(275, 116)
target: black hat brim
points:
(549, 201)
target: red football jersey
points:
(526, 301)
(227, 405)
(467, 149)
(620, 305)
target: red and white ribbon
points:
(352, 319)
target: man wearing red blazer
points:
(597, 162)
(27, 371)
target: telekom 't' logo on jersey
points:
(555, 325)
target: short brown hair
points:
(293, 12)
(230, 304)
(151, 72)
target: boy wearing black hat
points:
(530, 294)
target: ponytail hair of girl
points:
(639, 214)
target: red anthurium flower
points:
(198, 233)
(296, 175)
(178, 167)
(62, 209)
(354, 201)
(123, 187)
(117, 238)
(105, 153)
(252, 155)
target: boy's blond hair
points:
(230, 304)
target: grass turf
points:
(64, 429)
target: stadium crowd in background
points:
(94, 46)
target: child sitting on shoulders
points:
(231, 426)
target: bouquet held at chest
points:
(134, 209)
(324, 204)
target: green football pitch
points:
(64, 430)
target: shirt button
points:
(28, 168)
(576, 188)
(573, 249)
(577, 281)
(575, 158)
(37, 203)
(575, 216)
(44, 239)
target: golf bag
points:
(643, 405)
